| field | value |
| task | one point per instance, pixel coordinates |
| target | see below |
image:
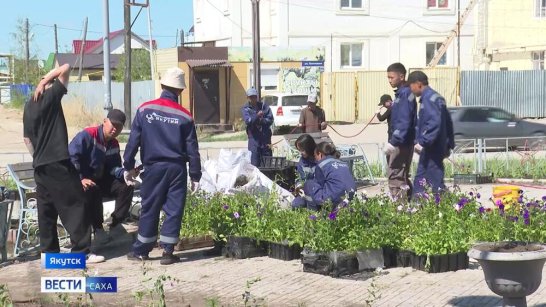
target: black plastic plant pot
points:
(244, 247)
(418, 262)
(284, 251)
(404, 258)
(462, 261)
(453, 262)
(438, 263)
(343, 263)
(315, 262)
(389, 255)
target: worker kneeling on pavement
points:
(258, 119)
(333, 180)
(434, 135)
(96, 155)
(165, 133)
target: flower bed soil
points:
(509, 247)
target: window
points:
(432, 48)
(350, 4)
(538, 60)
(498, 116)
(475, 116)
(351, 55)
(540, 11)
(294, 101)
(437, 4)
(269, 80)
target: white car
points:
(286, 108)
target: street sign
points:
(312, 63)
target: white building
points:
(356, 34)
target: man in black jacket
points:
(385, 102)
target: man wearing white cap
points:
(312, 118)
(258, 119)
(165, 133)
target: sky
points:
(167, 16)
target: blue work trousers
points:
(164, 186)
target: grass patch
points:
(222, 137)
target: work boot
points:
(92, 258)
(169, 258)
(101, 237)
(134, 257)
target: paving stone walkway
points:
(206, 281)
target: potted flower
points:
(285, 233)
(327, 243)
(513, 268)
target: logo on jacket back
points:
(164, 119)
(337, 165)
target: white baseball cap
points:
(312, 98)
(174, 77)
(251, 92)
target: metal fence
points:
(91, 94)
(353, 96)
(522, 93)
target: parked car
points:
(495, 123)
(286, 108)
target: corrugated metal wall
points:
(353, 96)
(91, 94)
(444, 81)
(520, 92)
(371, 86)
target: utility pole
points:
(176, 38)
(106, 57)
(459, 34)
(152, 68)
(256, 45)
(82, 48)
(182, 38)
(27, 51)
(56, 40)
(127, 80)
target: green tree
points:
(35, 67)
(140, 66)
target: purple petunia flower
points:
(499, 202)
(501, 207)
(520, 199)
(437, 198)
(236, 215)
(313, 217)
(225, 207)
(422, 182)
(481, 209)
(426, 196)
(471, 193)
(526, 217)
(463, 201)
(478, 196)
(332, 216)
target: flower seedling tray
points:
(459, 179)
(284, 251)
(244, 247)
(440, 263)
(334, 264)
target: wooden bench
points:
(351, 154)
(27, 232)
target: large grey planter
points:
(512, 275)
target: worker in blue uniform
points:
(400, 145)
(258, 119)
(165, 133)
(95, 154)
(306, 166)
(435, 139)
(333, 180)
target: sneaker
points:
(101, 237)
(135, 257)
(92, 258)
(169, 258)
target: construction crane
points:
(443, 48)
